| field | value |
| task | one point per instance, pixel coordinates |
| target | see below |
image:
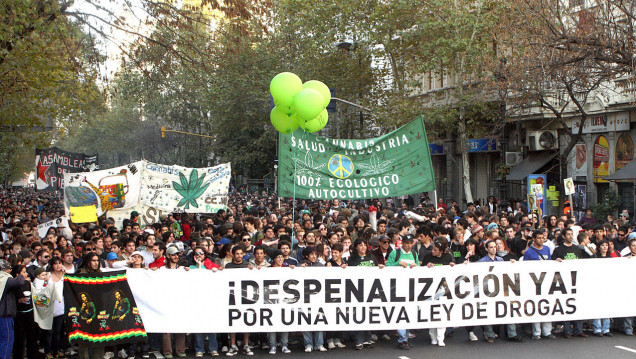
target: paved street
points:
(458, 346)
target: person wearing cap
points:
(111, 258)
(9, 287)
(383, 248)
(405, 257)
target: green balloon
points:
(317, 123)
(308, 104)
(320, 87)
(282, 122)
(284, 87)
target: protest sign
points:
(181, 189)
(396, 164)
(569, 186)
(104, 190)
(363, 298)
(147, 215)
(101, 310)
(52, 163)
(56, 223)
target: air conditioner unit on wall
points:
(542, 140)
(513, 158)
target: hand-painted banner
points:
(105, 190)
(181, 189)
(363, 298)
(101, 310)
(396, 164)
(147, 215)
(56, 223)
(52, 163)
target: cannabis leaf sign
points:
(190, 190)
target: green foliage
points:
(609, 205)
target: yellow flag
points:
(83, 214)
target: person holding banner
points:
(538, 252)
(90, 264)
(278, 261)
(312, 340)
(179, 338)
(238, 251)
(405, 258)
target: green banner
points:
(396, 164)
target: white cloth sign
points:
(180, 189)
(56, 223)
(147, 215)
(362, 298)
(113, 188)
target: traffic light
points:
(163, 131)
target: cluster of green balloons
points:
(298, 104)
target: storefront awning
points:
(529, 165)
(626, 173)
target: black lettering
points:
(359, 319)
(509, 284)
(394, 296)
(402, 316)
(558, 308)
(342, 315)
(249, 317)
(357, 292)
(374, 315)
(538, 281)
(376, 292)
(306, 317)
(458, 293)
(287, 288)
(501, 309)
(234, 314)
(467, 311)
(571, 306)
(435, 313)
(544, 307)
(557, 284)
(245, 285)
(266, 316)
(331, 290)
(320, 318)
(428, 282)
(515, 307)
(443, 286)
(529, 311)
(389, 315)
(448, 310)
(491, 278)
(481, 310)
(269, 294)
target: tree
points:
(562, 56)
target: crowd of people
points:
(259, 231)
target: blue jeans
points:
(574, 327)
(284, 339)
(403, 335)
(199, 342)
(539, 329)
(6, 337)
(313, 339)
(601, 325)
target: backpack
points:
(398, 252)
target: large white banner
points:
(362, 298)
(181, 189)
(105, 190)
